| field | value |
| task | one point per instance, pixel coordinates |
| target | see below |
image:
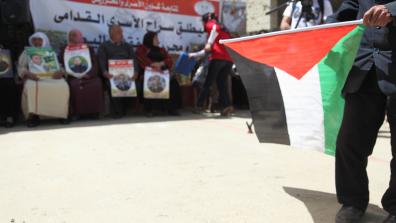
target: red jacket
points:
(219, 51)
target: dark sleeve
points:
(168, 59)
(133, 56)
(348, 11)
(61, 56)
(102, 58)
(392, 9)
(94, 70)
(141, 56)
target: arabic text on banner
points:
(178, 22)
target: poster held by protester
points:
(5, 62)
(77, 60)
(122, 84)
(184, 65)
(42, 61)
(156, 84)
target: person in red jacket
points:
(220, 64)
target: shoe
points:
(64, 121)
(173, 113)
(149, 114)
(117, 116)
(9, 123)
(348, 214)
(33, 121)
(390, 219)
(227, 111)
(95, 116)
(198, 110)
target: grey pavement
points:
(192, 169)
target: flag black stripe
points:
(265, 99)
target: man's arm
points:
(380, 15)
(285, 23)
(328, 9)
(287, 18)
(348, 11)
(102, 59)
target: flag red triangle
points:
(295, 53)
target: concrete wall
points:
(256, 19)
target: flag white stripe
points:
(304, 109)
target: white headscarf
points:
(41, 35)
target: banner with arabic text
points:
(177, 21)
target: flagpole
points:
(324, 26)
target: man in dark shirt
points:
(369, 94)
(116, 49)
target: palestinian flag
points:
(294, 81)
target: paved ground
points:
(192, 169)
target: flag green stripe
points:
(333, 71)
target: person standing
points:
(293, 16)
(220, 65)
(371, 80)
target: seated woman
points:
(86, 92)
(8, 91)
(149, 54)
(42, 96)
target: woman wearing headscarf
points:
(86, 92)
(149, 54)
(47, 97)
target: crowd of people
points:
(369, 89)
(66, 97)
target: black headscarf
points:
(148, 39)
(155, 52)
(209, 16)
(212, 16)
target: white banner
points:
(177, 21)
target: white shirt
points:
(327, 10)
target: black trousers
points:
(119, 105)
(363, 116)
(218, 71)
(8, 98)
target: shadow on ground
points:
(324, 206)
(53, 124)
